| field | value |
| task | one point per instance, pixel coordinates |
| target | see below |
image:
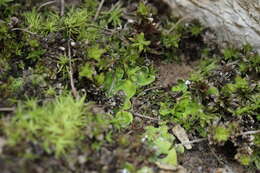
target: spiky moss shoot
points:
(55, 126)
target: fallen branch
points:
(7, 109)
(24, 30)
(72, 84)
(249, 133)
(148, 89)
(205, 139)
(62, 6)
(194, 141)
(45, 4)
(99, 8)
(144, 116)
(177, 23)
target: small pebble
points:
(62, 48)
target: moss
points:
(56, 126)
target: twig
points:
(62, 7)
(24, 30)
(74, 90)
(194, 141)
(148, 89)
(249, 133)
(205, 139)
(177, 23)
(99, 8)
(46, 3)
(220, 161)
(11, 109)
(144, 116)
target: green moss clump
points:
(56, 126)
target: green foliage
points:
(196, 30)
(162, 141)
(51, 23)
(240, 85)
(95, 53)
(34, 20)
(230, 54)
(136, 77)
(213, 91)
(186, 110)
(171, 40)
(204, 69)
(171, 158)
(143, 9)
(56, 126)
(87, 71)
(141, 76)
(140, 43)
(180, 87)
(4, 2)
(221, 134)
(122, 119)
(160, 138)
(114, 15)
(244, 159)
(75, 20)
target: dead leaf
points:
(181, 134)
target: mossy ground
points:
(101, 90)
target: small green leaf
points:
(123, 119)
(164, 109)
(127, 104)
(196, 30)
(143, 9)
(181, 87)
(95, 52)
(140, 42)
(244, 159)
(162, 145)
(128, 87)
(141, 76)
(213, 91)
(171, 158)
(221, 134)
(179, 148)
(230, 53)
(100, 78)
(87, 71)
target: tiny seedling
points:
(140, 43)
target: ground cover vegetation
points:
(80, 91)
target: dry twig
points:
(24, 30)
(146, 117)
(62, 6)
(99, 8)
(7, 109)
(46, 3)
(72, 84)
(249, 133)
(177, 23)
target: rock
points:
(235, 22)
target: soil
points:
(170, 73)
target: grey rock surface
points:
(234, 21)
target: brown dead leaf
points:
(181, 134)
